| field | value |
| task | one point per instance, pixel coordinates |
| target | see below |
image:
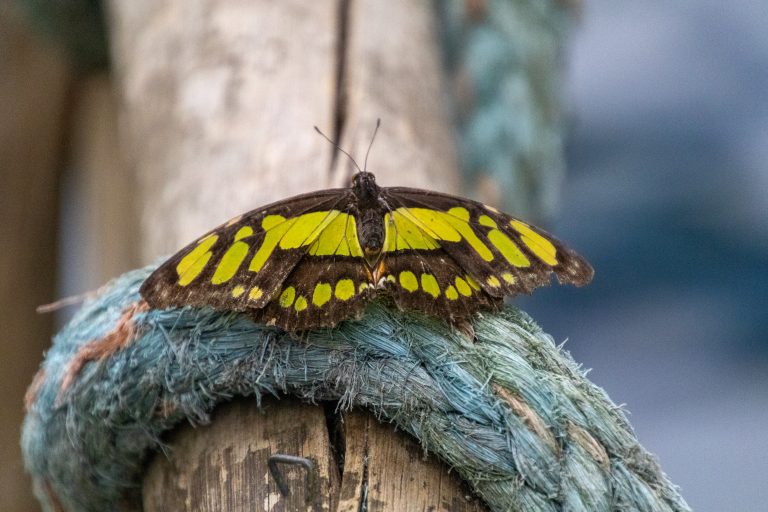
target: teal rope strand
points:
(451, 394)
(503, 59)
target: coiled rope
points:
(511, 412)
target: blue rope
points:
(510, 412)
(503, 59)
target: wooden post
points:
(392, 72)
(219, 99)
(34, 86)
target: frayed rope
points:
(511, 413)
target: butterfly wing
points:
(434, 284)
(298, 263)
(241, 265)
(329, 284)
(467, 255)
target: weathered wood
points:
(34, 85)
(392, 471)
(223, 466)
(392, 72)
(219, 99)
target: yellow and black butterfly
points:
(316, 259)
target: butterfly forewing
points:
(504, 255)
(242, 264)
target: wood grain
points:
(219, 98)
(393, 72)
(393, 472)
(223, 466)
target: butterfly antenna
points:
(373, 138)
(339, 148)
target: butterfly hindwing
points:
(433, 283)
(320, 292)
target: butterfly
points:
(316, 259)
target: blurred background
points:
(664, 132)
(667, 193)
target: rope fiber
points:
(511, 412)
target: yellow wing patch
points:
(463, 287)
(287, 297)
(429, 284)
(255, 293)
(326, 233)
(401, 233)
(508, 248)
(408, 281)
(345, 289)
(193, 263)
(300, 304)
(322, 294)
(425, 228)
(230, 262)
(421, 228)
(540, 246)
(338, 237)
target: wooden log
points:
(392, 72)
(219, 99)
(390, 471)
(224, 466)
(34, 90)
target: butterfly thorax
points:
(366, 190)
(370, 218)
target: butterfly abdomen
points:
(370, 231)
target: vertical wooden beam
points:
(393, 72)
(218, 102)
(34, 85)
(219, 98)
